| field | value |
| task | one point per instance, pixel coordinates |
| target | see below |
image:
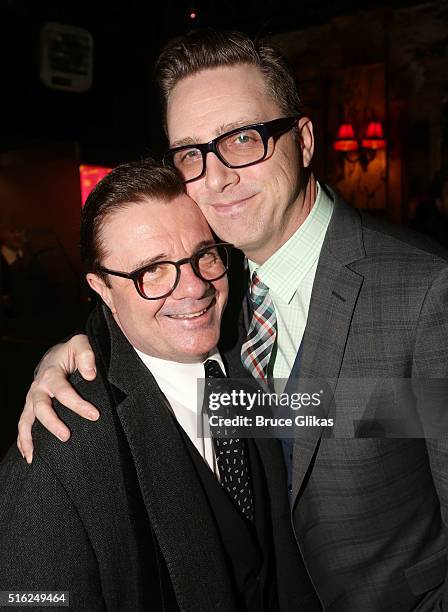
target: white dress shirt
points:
(289, 273)
(179, 384)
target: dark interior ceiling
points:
(118, 117)
(168, 17)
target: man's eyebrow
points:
(203, 244)
(183, 142)
(228, 127)
(150, 260)
(222, 129)
(164, 257)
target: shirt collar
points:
(179, 381)
(286, 268)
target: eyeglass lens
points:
(237, 149)
(159, 279)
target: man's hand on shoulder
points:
(51, 382)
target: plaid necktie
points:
(231, 456)
(257, 348)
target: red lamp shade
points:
(89, 177)
(374, 138)
(345, 140)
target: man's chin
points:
(197, 354)
(198, 348)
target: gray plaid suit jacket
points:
(370, 514)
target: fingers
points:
(81, 356)
(85, 362)
(51, 379)
(75, 354)
(51, 382)
(54, 384)
(38, 405)
(24, 439)
(19, 446)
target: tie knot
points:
(258, 290)
(213, 369)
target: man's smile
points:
(195, 314)
(231, 206)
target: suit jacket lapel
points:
(335, 292)
(185, 531)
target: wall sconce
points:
(353, 150)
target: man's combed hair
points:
(207, 48)
(125, 185)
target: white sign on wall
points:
(66, 57)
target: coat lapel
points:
(185, 531)
(335, 292)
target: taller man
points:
(343, 297)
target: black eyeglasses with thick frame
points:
(268, 129)
(223, 248)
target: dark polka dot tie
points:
(231, 457)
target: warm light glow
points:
(374, 138)
(374, 130)
(192, 15)
(89, 177)
(346, 131)
(345, 140)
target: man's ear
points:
(100, 287)
(306, 139)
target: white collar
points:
(178, 381)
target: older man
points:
(130, 514)
(333, 294)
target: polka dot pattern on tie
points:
(232, 460)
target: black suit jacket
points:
(117, 515)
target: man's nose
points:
(189, 285)
(218, 176)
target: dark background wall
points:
(388, 63)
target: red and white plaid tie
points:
(257, 348)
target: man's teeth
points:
(193, 315)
